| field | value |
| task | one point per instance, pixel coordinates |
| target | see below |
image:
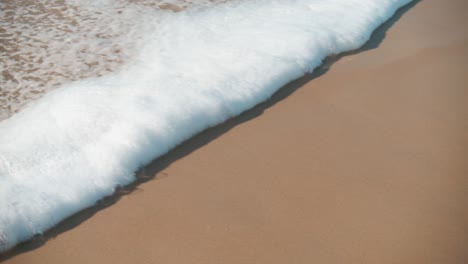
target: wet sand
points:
(364, 162)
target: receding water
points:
(45, 43)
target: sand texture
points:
(365, 161)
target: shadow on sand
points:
(155, 169)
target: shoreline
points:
(176, 163)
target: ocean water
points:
(91, 90)
(46, 43)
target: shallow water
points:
(46, 43)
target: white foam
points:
(196, 69)
(46, 43)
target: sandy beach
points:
(364, 161)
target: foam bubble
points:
(192, 69)
(46, 43)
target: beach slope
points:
(363, 162)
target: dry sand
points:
(366, 163)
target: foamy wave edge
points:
(74, 146)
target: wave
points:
(196, 69)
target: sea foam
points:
(196, 69)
